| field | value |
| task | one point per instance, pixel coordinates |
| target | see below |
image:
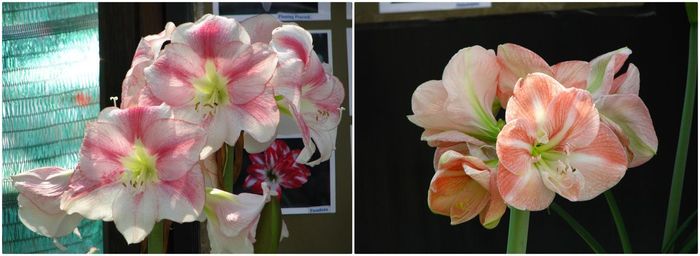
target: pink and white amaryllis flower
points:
(135, 89)
(465, 186)
(554, 142)
(307, 91)
(138, 166)
(211, 72)
(460, 107)
(616, 98)
(277, 166)
(39, 201)
(232, 219)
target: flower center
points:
(140, 167)
(210, 89)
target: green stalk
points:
(678, 233)
(674, 199)
(619, 222)
(228, 168)
(155, 239)
(267, 235)
(690, 243)
(517, 231)
(580, 230)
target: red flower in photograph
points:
(278, 167)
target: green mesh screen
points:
(50, 89)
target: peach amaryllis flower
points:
(554, 142)
(40, 191)
(277, 166)
(307, 91)
(138, 166)
(465, 186)
(211, 72)
(460, 107)
(135, 90)
(616, 98)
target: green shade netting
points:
(50, 55)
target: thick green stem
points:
(228, 168)
(517, 231)
(580, 230)
(619, 222)
(267, 235)
(674, 199)
(155, 239)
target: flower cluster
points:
(190, 89)
(571, 129)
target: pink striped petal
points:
(470, 81)
(102, 150)
(248, 71)
(176, 144)
(514, 146)
(182, 200)
(292, 42)
(524, 191)
(135, 214)
(89, 198)
(260, 27)
(233, 219)
(171, 75)
(628, 115)
(572, 73)
(600, 165)
(627, 83)
(258, 117)
(516, 62)
(531, 97)
(210, 34)
(572, 118)
(603, 69)
(453, 193)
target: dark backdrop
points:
(394, 168)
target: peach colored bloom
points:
(554, 142)
(463, 187)
(616, 98)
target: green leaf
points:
(619, 222)
(690, 243)
(681, 229)
(155, 239)
(580, 230)
(269, 229)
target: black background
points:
(394, 168)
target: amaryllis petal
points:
(135, 214)
(172, 74)
(258, 117)
(182, 200)
(572, 73)
(524, 191)
(247, 71)
(572, 119)
(531, 97)
(603, 69)
(470, 81)
(492, 213)
(429, 110)
(176, 143)
(253, 146)
(103, 147)
(232, 219)
(599, 166)
(39, 201)
(89, 198)
(135, 90)
(514, 147)
(46, 223)
(627, 83)
(516, 62)
(627, 114)
(260, 27)
(210, 34)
